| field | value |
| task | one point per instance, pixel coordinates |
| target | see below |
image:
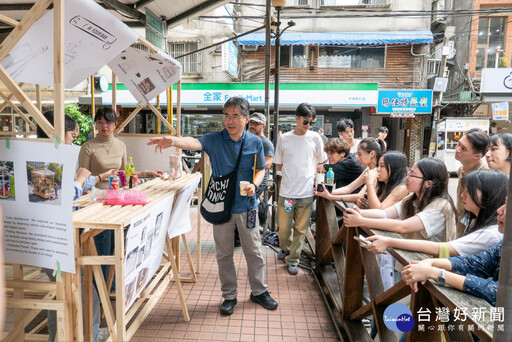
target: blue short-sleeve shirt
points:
(223, 162)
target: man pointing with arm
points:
(223, 148)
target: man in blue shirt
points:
(223, 149)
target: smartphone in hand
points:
(362, 240)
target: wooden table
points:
(95, 218)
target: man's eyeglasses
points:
(254, 123)
(306, 122)
(409, 174)
(235, 117)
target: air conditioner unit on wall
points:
(250, 48)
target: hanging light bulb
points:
(279, 3)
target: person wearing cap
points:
(257, 124)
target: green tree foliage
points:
(57, 168)
(30, 168)
(84, 122)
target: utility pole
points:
(448, 33)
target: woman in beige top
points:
(105, 152)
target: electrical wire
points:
(348, 13)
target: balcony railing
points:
(355, 3)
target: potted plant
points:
(494, 129)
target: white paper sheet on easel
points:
(38, 220)
(93, 37)
(145, 74)
(180, 215)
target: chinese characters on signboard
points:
(462, 319)
(404, 103)
(500, 111)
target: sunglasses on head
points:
(306, 122)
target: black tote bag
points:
(219, 199)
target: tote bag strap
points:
(239, 157)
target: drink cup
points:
(243, 185)
(175, 167)
(320, 178)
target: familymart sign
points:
(316, 94)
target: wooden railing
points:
(343, 265)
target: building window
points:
(351, 57)
(191, 63)
(343, 3)
(294, 56)
(304, 3)
(491, 33)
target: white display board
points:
(180, 216)
(144, 156)
(93, 37)
(145, 241)
(146, 74)
(38, 219)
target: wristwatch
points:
(440, 278)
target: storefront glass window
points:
(294, 56)
(351, 57)
(491, 32)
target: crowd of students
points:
(417, 205)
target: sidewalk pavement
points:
(302, 314)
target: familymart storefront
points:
(202, 104)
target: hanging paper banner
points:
(500, 111)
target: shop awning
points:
(342, 38)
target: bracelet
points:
(144, 174)
(99, 177)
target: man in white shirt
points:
(345, 129)
(297, 155)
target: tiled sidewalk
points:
(301, 316)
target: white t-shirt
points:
(299, 155)
(353, 149)
(433, 221)
(477, 241)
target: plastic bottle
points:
(129, 167)
(329, 179)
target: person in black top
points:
(344, 164)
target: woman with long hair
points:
(484, 192)
(476, 274)
(386, 186)
(427, 213)
(368, 153)
(499, 153)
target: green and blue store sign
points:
(292, 94)
(404, 102)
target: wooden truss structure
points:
(64, 295)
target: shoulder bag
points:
(219, 199)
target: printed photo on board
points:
(44, 182)
(7, 180)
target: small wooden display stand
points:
(28, 297)
(95, 218)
